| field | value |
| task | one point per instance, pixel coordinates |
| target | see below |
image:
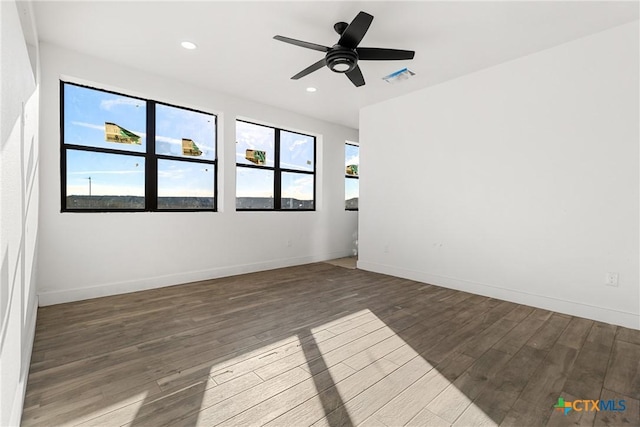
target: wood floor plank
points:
(479, 344)
(455, 399)
(545, 337)
(409, 403)
(175, 404)
(630, 416)
(475, 416)
(586, 377)
(301, 358)
(375, 352)
(623, 374)
(576, 332)
(274, 407)
(485, 314)
(549, 379)
(337, 355)
(559, 418)
(602, 334)
(207, 415)
(502, 391)
(427, 418)
(332, 399)
(375, 397)
(519, 335)
(523, 413)
(265, 357)
(629, 335)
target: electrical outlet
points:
(611, 279)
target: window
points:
(275, 168)
(351, 182)
(122, 153)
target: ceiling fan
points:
(343, 57)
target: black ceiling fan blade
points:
(356, 30)
(302, 43)
(310, 69)
(356, 77)
(379, 54)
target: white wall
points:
(18, 207)
(83, 255)
(519, 182)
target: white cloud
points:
(89, 125)
(254, 136)
(297, 143)
(307, 180)
(108, 104)
(106, 172)
(296, 166)
(353, 160)
(168, 140)
(301, 189)
(171, 174)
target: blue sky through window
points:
(297, 152)
(85, 113)
(351, 157)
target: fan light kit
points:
(188, 45)
(343, 57)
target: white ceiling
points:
(237, 55)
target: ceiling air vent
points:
(399, 76)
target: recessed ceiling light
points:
(311, 89)
(188, 45)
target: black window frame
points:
(347, 176)
(277, 171)
(149, 155)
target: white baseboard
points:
(18, 401)
(607, 315)
(107, 289)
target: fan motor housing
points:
(341, 59)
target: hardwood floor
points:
(323, 345)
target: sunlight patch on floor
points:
(127, 410)
(385, 364)
(352, 370)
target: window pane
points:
(351, 193)
(352, 159)
(296, 151)
(297, 191)
(254, 144)
(104, 181)
(254, 188)
(99, 119)
(185, 133)
(185, 185)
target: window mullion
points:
(63, 154)
(151, 160)
(277, 176)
